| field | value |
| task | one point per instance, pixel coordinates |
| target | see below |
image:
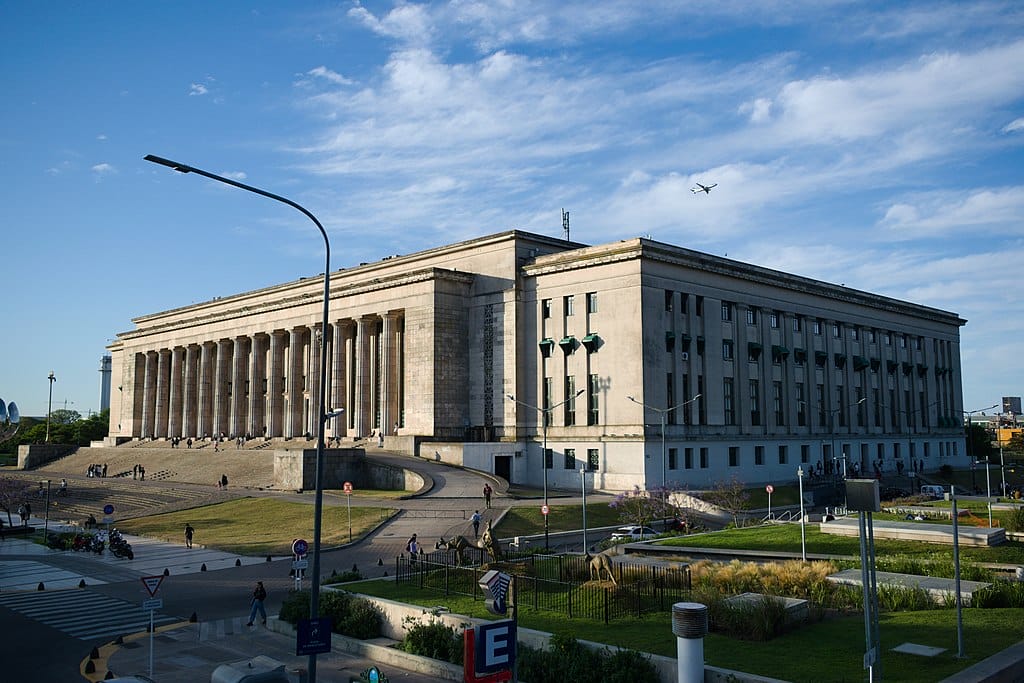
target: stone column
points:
(257, 385)
(363, 394)
(296, 357)
(191, 396)
(239, 386)
(388, 385)
(163, 375)
(313, 380)
(342, 331)
(222, 388)
(204, 425)
(174, 420)
(275, 385)
(149, 396)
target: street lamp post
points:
(832, 428)
(49, 404)
(545, 413)
(314, 601)
(803, 533)
(970, 439)
(583, 477)
(663, 413)
(46, 518)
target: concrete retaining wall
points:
(34, 455)
(297, 470)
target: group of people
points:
(176, 441)
(139, 472)
(222, 483)
(96, 471)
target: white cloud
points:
(101, 137)
(759, 110)
(103, 169)
(406, 22)
(322, 73)
(996, 211)
(197, 89)
(1014, 126)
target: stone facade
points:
(789, 371)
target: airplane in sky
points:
(706, 189)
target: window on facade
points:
(570, 458)
(702, 416)
(816, 327)
(801, 404)
(877, 403)
(727, 349)
(699, 306)
(568, 304)
(688, 458)
(805, 453)
(546, 400)
(549, 457)
(783, 455)
(686, 392)
(545, 308)
(780, 418)
(734, 456)
(855, 333)
(703, 458)
(591, 302)
(774, 320)
(755, 403)
(684, 300)
(888, 339)
(840, 406)
(593, 398)
(871, 336)
(593, 459)
(862, 411)
(758, 455)
(918, 343)
(673, 458)
(751, 316)
(670, 397)
(669, 299)
(903, 341)
(729, 404)
(837, 330)
(798, 323)
(726, 310)
(570, 405)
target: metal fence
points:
(557, 583)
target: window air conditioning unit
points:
(685, 355)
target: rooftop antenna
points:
(565, 223)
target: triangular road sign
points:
(152, 584)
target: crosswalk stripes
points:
(83, 614)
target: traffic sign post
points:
(348, 495)
(544, 510)
(152, 584)
(299, 562)
(770, 489)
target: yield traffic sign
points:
(152, 584)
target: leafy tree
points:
(12, 493)
(63, 416)
(980, 442)
(640, 506)
(729, 495)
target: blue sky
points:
(877, 145)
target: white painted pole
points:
(150, 643)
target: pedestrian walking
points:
(380, 439)
(189, 532)
(223, 481)
(487, 495)
(413, 548)
(259, 594)
(23, 514)
(476, 523)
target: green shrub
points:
(1012, 520)
(350, 615)
(1000, 594)
(568, 660)
(344, 577)
(433, 639)
(904, 598)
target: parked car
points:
(633, 533)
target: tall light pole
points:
(583, 478)
(832, 428)
(314, 600)
(544, 415)
(663, 413)
(49, 404)
(803, 533)
(970, 438)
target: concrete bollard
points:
(690, 625)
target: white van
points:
(933, 491)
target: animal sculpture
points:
(601, 562)
(458, 544)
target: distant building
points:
(105, 369)
(1011, 404)
(789, 371)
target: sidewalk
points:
(190, 653)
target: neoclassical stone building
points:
(651, 362)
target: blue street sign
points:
(108, 509)
(300, 547)
(313, 636)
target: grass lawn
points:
(524, 521)
(786, 537)
(256, 526)
(826, 651)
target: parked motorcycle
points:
(120, 547)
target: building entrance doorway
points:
(503, 467)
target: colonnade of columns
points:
(267, 384)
